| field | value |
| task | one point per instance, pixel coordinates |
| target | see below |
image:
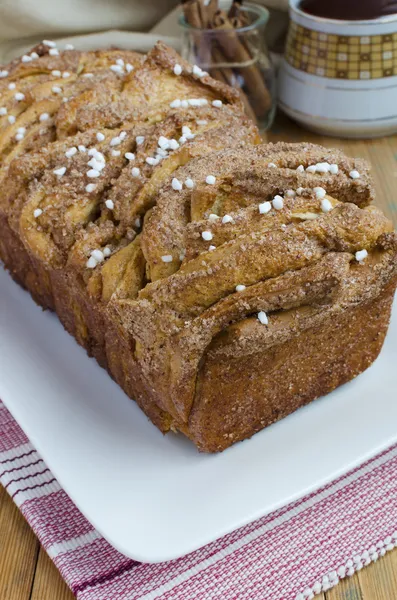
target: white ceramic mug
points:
(340, 77)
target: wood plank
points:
(379, 580)
(48, 584)
(347, 589)
(18, 552)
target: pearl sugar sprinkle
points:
(262, 317)
(278, 202)
(361, 255)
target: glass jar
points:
(237, 56)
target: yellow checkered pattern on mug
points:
(341, 57)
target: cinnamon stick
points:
(192, 13)
(236, 52)
(227, 47)
(227, 76)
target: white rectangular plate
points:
(156, 498)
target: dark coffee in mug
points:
(349, 10)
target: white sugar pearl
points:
(177, 69)
(210, 179)
(213, 217)
(60, 171)
(3, 74)
(71, 152)
(56, 73)
(98, 255)
(173, 144)
(151, 161)
(92, 173)
(299, 191)
(264, 207)
(361, 255)
(217, 103)
(109, 204)
(100, 137)
(227, 219)
(115, 141)
(91, 263)
(25, 58)
(197, 71)
(300, 169)
(278, 202)
(107, 252)
(320, 192)
(37, 212)
(44, 117)
(189, 183)
(19, 96)
(322, 167)
(333, 169)
(135, 172)
(139, 140)
(11, 119)
(116, 69)
(240, 288)
(207, 236)
(185, 103)
(123, 135)
(129, 67)
(116, 152)
(202, 122)
(163, 142)
(175, 103)
(11, 86)
(166, 258)
(211, 248)
(272, 165)
(53, 52)
(96, 165)
(119, 61)
(311, 169)
(176, 184)
(90, 187)
(326, 205)
(82, 148)
(19, 136)
(138, 222)
(290, 194)
(56, 89)
(129, 156)
(262, 316)
(49, 43)
(3, 112)
(354, 174)
(69, 47)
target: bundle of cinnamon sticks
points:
(224, 50)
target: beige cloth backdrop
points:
(25, 22)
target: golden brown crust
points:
(158, 230)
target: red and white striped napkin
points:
(291, 554)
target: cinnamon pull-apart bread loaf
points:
(222, 282)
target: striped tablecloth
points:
(291, 554)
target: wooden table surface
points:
(26, 573)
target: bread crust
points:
(186, 258)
